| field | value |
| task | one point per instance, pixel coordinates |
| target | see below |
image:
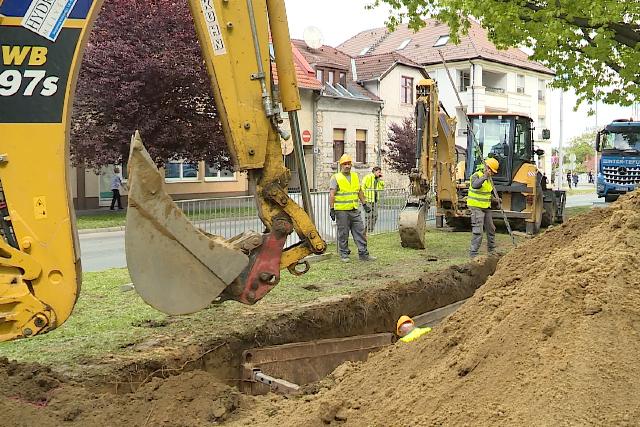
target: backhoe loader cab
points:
(507, 138)
(526, 201)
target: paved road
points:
(101, 251)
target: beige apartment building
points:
(487, 79)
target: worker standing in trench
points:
(407, 330)
(479, 202)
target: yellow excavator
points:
(442, 177)
(174, 266)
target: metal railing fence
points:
(230, 216)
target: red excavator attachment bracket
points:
(265, 272)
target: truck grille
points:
(621, 175)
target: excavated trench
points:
(211, 382)
(346, 328)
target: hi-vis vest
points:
(415, 334)
(480, 198)
(347, 194)
(368, 184)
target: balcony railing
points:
(494, 89)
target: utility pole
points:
(560, 178)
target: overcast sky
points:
(339, 20)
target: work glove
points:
(366, 208)
(332, 214)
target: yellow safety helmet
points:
(345, 159)
(402, 320)
(493, 164)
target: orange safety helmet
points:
(402, 320)
(493, 164)
(345, 159)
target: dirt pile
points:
(193, 398)
(551, 339)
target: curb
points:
(100, 230)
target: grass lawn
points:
(108, 324)
(580, 191)
(103, 220)
(577, 210)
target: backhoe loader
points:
(174, 266)
(441, 176)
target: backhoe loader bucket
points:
(412, 224)
(174, 266)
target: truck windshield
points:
(622, 141)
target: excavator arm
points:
(435, 164)
(175, 267)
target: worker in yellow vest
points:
(345, 196)
(479, 202)
(372, 185)
(407, 331)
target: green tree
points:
(592, 45)
(583, 148)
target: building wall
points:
(394, 111)
(338, 113)
(305, 120)
(200, 187)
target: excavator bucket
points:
(174, 266)
(412, 225)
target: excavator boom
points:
(175, 267)
(435, 163)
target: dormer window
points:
(331, 76)
(442, 40)
(403, 44)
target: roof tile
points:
(304, 72)
(372, 67)
(475, 44)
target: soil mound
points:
(193, 398)
(552, 338)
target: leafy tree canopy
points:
(592, 45)
(401, 146)
(143, 69)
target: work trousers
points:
(481, 219)
(116, 198)
(351, 221)
(372, 217)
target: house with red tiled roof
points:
(392, 77)
(347, 116)
(487, 79)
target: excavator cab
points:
(508, 138)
